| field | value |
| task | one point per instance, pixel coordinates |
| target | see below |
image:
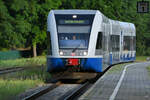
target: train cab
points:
(72, 37)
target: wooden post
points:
(34, 50)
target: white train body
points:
(87, 39)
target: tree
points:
(6, 28)
(38, 15)
(23, 22)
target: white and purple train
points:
(88, 40)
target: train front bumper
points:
(89, 64)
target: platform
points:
(127, 82)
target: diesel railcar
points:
(88, 40)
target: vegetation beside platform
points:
(15, 83)
(116, 68)
(10, 88)
(148, 69)
(23, 62)
(141, 58)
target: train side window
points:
(131, 43)
(49, 47)
(118, 42)
(99, 41)
(134, 43)
(115, 46)
(112, 42)
(127, 45)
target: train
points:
(88, 40)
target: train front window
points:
(73, 29)
(74, 32)
(73, 40)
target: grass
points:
(116, 68)
(10, 88)
(13, 84)
(23, 62)
(33, 73)
(148, 69)
(141, 58)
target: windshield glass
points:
(74, 32)
(73, 40)
(73, 29)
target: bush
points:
(148, 51)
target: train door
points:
(105, 46)
(121, 46)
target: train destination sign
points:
(73, 21)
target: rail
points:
(42, 92)
(9, 70)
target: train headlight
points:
(84, 53)
(61, 53)
(74, 16)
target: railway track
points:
(70, 95)
(83, 86)
(49, 89)
(42, 92)
(73, 95)
(9, 70)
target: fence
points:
(14, 54)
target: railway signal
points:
(143, 6)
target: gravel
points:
(31, 91)
(58, 92)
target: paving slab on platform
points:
(135, 84)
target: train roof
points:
(76, 11)
(122, 25)
(128, 28)
(127, 25)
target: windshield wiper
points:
(76, 48)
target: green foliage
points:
(9, 89)
(141, 58)
(24, 62)
(13, 84)
(148, 69)
(116, 68)
(23, 22)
